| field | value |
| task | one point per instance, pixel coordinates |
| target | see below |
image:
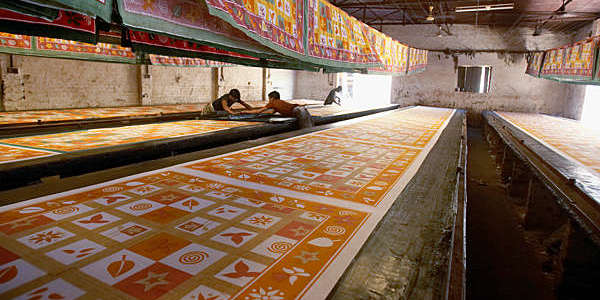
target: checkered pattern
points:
(580, 57)
(155, 237)
(28, 117)
(104, 137)
(557, 132)
(554, 61)
(175, 234)
(357, 162)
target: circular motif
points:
(141, 206)
(65, 210)
(112, 189)
(280, 247)
(334, 230)
(194, 257)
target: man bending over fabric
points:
(285, 109)
(225, 102)
(333, 96)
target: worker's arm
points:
(256, 111)
(337, 100)
(227, 108)
(246, 105)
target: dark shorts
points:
(303, 116)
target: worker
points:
(225, 102)
(285, 109)
(334, 97)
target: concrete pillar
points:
(266, 83)
(507, 162)
(145, 85)
(13, 87)
(215, 83)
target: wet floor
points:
(500, 265)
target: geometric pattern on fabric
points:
(357, 162)
(583, 146)
(105, 137)
(181, 233)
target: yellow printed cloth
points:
(580, 59)
(392, 54)
(569, 137)
(417, 60)
(554, 62)
(179, 233)
(534, 63)
(335, 35)
(105, 137)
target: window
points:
(474, 79)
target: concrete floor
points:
(500, 264)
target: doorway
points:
(362, 90)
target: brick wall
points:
(49, 83)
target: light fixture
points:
(430, 17)
(485, 7)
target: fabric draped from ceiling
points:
(337, 39)
(293, 34)
(59, 48)
(67, 25)
(417, 60)
(161, 60)
(534, 63)
(391, 53)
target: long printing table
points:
(16, 123)
(564, 154)
(281, 220)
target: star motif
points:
(300, 231)
(306, 256)
(21, 223)
(152, 280)
(47, 237)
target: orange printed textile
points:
(51, 47)
(10, 153)
(359, 165)
(556, 132)
(178, 233)
(105, 137)
(33, 116)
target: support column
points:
(215, 83)
(266, 83)
(13, 86)
(145, 85)
(543, 212)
